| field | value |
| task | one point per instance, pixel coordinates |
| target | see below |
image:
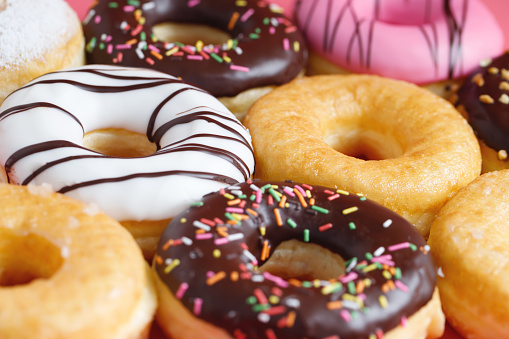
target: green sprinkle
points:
(251, 300)
(320, 209)
(307, 284)
(143, 36)
(253, 36)
(306, 235)
(229, 216)
(331, 288)
(179, 44)
(369, 256)
(274, 194)
(101, 45)
(351, 225)
(413, 247)
(216, 57)
(266, 21)
(260, 307)
(243, 196)
(113, 5)
(252, 197)
(133, 3)
(258, 30)
(351, 287)
(397, 273)
(91, 44)
(362, 198)
(292, 223)
(355, 314)
(197, 204)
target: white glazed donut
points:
(201, 146)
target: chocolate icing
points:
(488, 118)
(367, 238)
(264, 41)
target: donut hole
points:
(119, 143)
(25, 258)
(294, 259)
(365, 144)
(189, 34)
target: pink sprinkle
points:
(289, 191)
(108, 38)
(332, 197)
(222, 191)
(401, 286)
(301, 190)
(399, 246)
(221, 241)
(210, 274)
(123, 46)
(306, 186)
(239, 68)
(137, 30)
(272, 30)
(290, 29)
(346, 315)
(150, 61)
(259, 196)
(208, 222)
(129, 8)
(286, 44)
(351, 276)
(109, 49)
(97, 19)
(192, 3)
(234, 210)
(403, 321)
(154, 48)
(181, 290)
(247, 15)
(187, 49)
(278, 280)
(194, 57)
(198, 302)
(203, 236)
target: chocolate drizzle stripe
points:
(26, 107)
(201, 175)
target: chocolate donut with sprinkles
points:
(287, 260)
(261, 49)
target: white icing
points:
(138, 199)
(31, 28)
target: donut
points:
(434, 43)
(37, 37)
(483, 99)
(469, 243)
(236, 50)
(68, 270)
(287, 260)
(194, 144)
(398, 144)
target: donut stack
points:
(187, 164)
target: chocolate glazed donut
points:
(209, 254)
(265, 47)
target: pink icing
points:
(420, 41)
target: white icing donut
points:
(201, 145)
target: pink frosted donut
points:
(420, 41)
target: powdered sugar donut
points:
(201, 146)
(36, 37)
(423, 42)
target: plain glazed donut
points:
(469, 242)
(199, 146)
(425, 42)
(68, 270)
(260, 49)
(364, 271)
(419, 149)
(483, 99)
(37, 37)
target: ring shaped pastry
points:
(394, 142)
(200, 145)
(68, 270)
(287, 260)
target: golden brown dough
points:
(68, 271)
(320, 129)
(469, 243)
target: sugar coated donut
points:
(37, 37)
(448, 38)
(258, 48)
(68, 270)
(287, 260)
(199, 146)
(484, 101)
(469, 242)
(398, 144)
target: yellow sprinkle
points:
(241, 3)
(183, 220)
(369, 268)
(229, 44)
(229, 196)
(142, 22)
(383, 301)
(342, 192)
(387, 275)
(172, 51)
(296, 46)
(274, 299)
(199, 45)
(350, 210)
(216, 253)
(486, 99)
(227, 59)
(171, 266)
(308, 193)
(263, 231)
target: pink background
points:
(499, 7)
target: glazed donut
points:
(469, 242)
(328, 130)
(483, 99)
(37, 37)
(258, 47)
(68, 270)
(448, 38)
(198, 145)
(349, 268)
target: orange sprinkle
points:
(233, 20)
(360, 287)
(282, 202)
(167, 244)
(294, 282)
(290, 320)
(334, 305)
(265, 250)
(231, 222)
(252, 212)
(279, 221)
(131, 42)
(158, 259)
(301, 198)
(157, 55)
(233, 202)
(217, 277)
(312, 201)
(234, 276)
